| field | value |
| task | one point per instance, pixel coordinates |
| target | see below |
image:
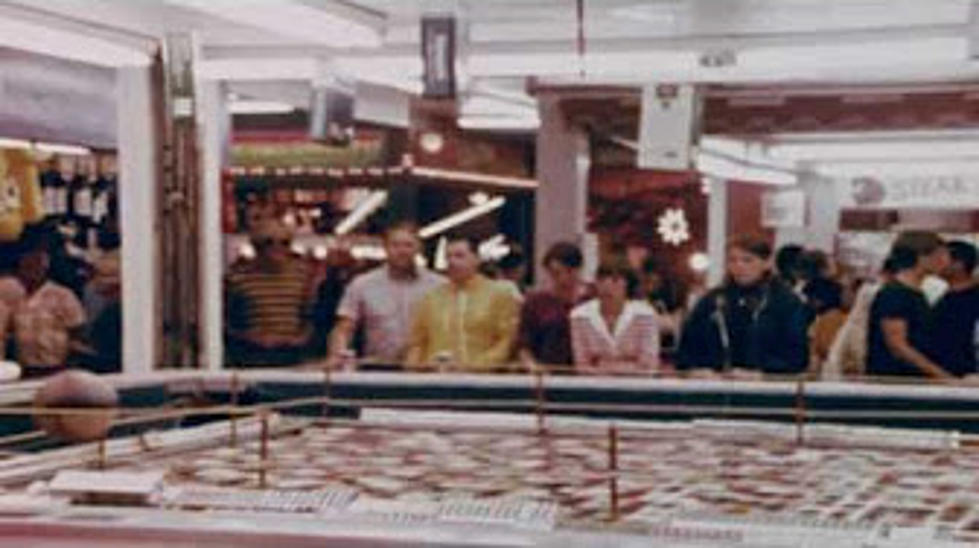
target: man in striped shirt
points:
(268, 302)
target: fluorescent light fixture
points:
(727, 169)
(18, 144)
(290, 19)
(441, 261)
(494, 248)
(495, 181)
(478, 198)
(56, 148)
(512, 123)
(495, 253)
(460, 217)
(368, 252)
(57, 42)
(260, 107)
(363, 210)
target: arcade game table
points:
(399, 459)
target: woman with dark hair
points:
(751, 324)
(615, 332)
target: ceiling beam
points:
(314, 23)
(693, 42)
(48, 33)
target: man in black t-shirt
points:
(956, 316)
(898, 333)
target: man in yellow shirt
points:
(469, 323)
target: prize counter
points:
(252, 457)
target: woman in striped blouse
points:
(615, 333)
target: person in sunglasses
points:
(268, 302)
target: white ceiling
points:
(627, 41)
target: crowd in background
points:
(57, 307)
(786, 313)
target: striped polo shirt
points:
(270, 302)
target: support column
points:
(563, 160)
(138, 144)
(717, 207)
(214, 127)
(822, 216)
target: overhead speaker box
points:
(331, 115)
(668, 125)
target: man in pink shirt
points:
(45, 319)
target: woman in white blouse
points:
(613, 333)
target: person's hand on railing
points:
(742, 374)
(344, 360)
(703, 373)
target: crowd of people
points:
(784, 313)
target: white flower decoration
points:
(673, 226)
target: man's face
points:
(463, 261)
(402, 247)
(745, 268)
(272, 248)
(561, 275)
(938, 261)
(33, 267)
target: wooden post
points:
(327, 390)
(233, 418)
(103, 454)
(800, 411)
(613, 467)
(264, 451)
(539, 390)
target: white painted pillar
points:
(822, 215)
(137, 147)
(563, 161)
(717, 206)
(214, 130)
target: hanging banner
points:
(913, 191)
(438, 56)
